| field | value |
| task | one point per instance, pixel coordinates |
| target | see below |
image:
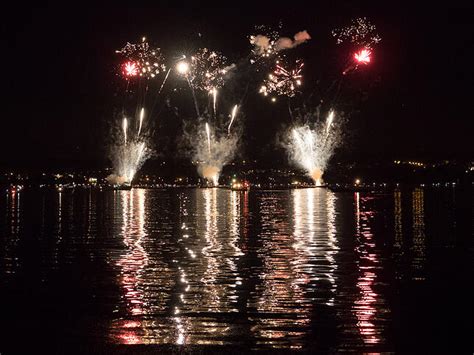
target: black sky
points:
(59, 81)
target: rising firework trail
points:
(232, 117)
(124, 127)
(214, 100)
(142, 114)
(164, 81)
(329, 120)
(208, 133)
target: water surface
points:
(200, 269)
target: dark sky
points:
(60, 87)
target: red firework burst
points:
(363, 56)
(130, 69)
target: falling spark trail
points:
(142, 114)
(208, 132)
(234, 112)
(124, 126)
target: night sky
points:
(60, 85)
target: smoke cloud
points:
(301, 37)
(263, 44)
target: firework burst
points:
(363, 56)
(283, 81)
(142, 60)
(207, 70)
(360, 32)
(129, 69)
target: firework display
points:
(214, 139)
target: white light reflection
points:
(211, 264)
(315, 235)
(211, 251)
(298, 260)
(234, 216)
(132, 263)
(234, 251)
(369, 303)
(332, 247)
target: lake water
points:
(214, 269)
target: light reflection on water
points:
(369, 303)
(221, 267)
(418, 246)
